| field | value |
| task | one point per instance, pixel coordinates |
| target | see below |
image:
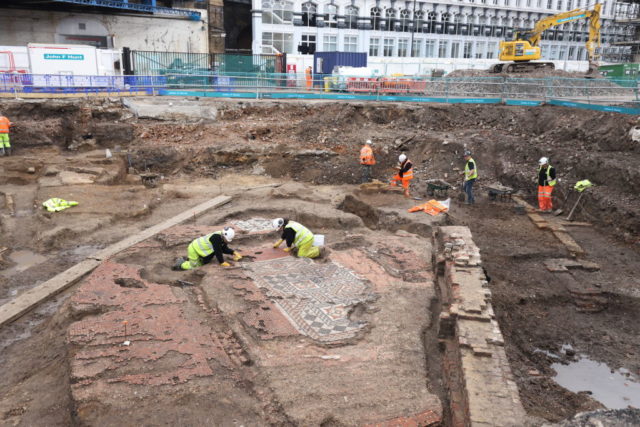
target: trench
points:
(316, 144)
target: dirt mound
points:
(542, 73)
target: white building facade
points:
(465, 31)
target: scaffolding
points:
(625, 47)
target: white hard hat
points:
(368, 142)
(402, 157)
(543, 161)
(277, 223)
(228, 233)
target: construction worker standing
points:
(404, 175)
(367, 160)
(202, 250)
(546, 182)
(296, 235)
(5, 146)
(470, 176)
(308, 75)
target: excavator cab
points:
(520, 48)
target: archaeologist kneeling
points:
(296, 235)
(202, 250)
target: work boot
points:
(8, 151)
(177, 266)
(1, 151)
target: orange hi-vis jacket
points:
(366, 156)
(4, 124)
(409, 173)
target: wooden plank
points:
(571, 245)
(576, 223)
(149, 232)
(31, 298)
(557, 229)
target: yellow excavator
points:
(525, 48)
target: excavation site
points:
(421, 309)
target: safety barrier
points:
(600, 94)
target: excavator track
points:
(522, 67)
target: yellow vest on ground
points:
(56, 204)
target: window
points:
(559, 5)
(466, 52)
(351, 17)
(480, 47)
(388, 47)
(330, 15)
(350, 43)
(403, 47)
(568, 4)
(430, 49)
(572, 52)
(455, 49)
(544, 49)
(283, 42)
(549, 4)
(405, 19)
(518, 3)
(376, 13)
(308, 44)
(419, 21)
(563, 52)
(492, 50)
(309, 14)
(330, 43)
(374, 47)
(442, 49)
(554, 52)
(528, 3)
(415, 48)
(391, 18)
(277, 12)
(539, 4)
(457, 20)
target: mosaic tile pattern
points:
(315, 297)
(253, 225)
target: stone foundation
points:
(479, 380)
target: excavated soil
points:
(249, 144)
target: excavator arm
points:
(534, 36)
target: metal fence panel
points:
(243, 63)
(603, 92)
(148, 63)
